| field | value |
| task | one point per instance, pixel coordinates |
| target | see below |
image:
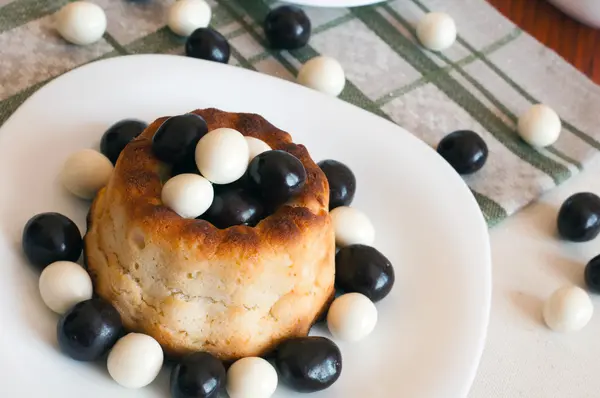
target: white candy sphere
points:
(539, 126)
(188, 195)
(251, 377)
(85, 172)
(569, 309)
(256, 147)
(351, 317)
(135, 360)
(63, 284)
(81, 22)
(352, 227)
(324, 74)
(222, 155)
(185, 16)
(436, 31)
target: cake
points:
(233, 292)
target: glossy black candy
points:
(118, 136)
(186, 166)
(342, 183)
(592, 275)
(579, 217)
(363, 269)
(465, 150)
(234, 207)
(208, 44)
(308, 364)
(276, 176)
(287, 27)
(198, 375)
(89, 329)
(175, 140)
(50, 237)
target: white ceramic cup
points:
(585, 11)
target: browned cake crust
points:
(235, 292)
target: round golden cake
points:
(233, 292)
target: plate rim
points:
(336, 3)
(485, 305)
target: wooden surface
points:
(577, 43)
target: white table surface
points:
(523, 358)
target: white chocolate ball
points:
(81, 22)
(539, 126)
(352, 227)
(324, 74)
(188, 195)
(222, 155)
(185, 16)
(436, 31)
(251, 377)
(351, 317)
(85, 172)
(256, 147)
(63, 284)
(135, 360)
(569, 309)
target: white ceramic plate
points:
(334, 3)
(432, 326)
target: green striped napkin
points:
(492, 74)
